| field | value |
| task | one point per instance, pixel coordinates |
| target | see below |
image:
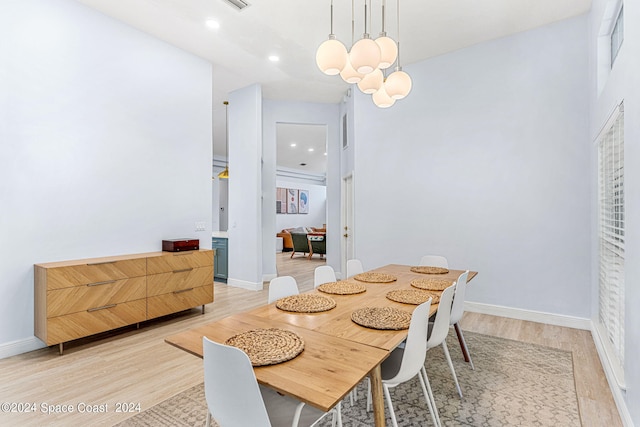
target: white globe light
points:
(398, 84)
(388, 51)
(381, 99)
(331, 56)
(371, 82)
(350, 75)
(365, 56)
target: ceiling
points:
(293, 29)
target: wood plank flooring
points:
(137, 366)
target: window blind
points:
(612, 234)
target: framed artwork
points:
(303, 202)
(292, 201)
(281, 200)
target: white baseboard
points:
(252, 286)
(617, 392)
(268, 277)
(530, 315)
(20, 346)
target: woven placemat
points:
(306, 303)
(268, 346)
(431, 284)
(413, 296)
(375, 277)
(425, 269)
(382, 318)
(342, 287)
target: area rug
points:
(513, 384)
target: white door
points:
(347, 229)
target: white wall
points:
(485, 163)
(622, 84)
(105, 146)
(317, 207)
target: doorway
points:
(348, 209)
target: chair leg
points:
(453, 371)
(296, 415)
(423, 371)
(368, 395)
(428, 399)
(208, 424)
(394, 422)
(463, 345)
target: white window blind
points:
(612, 234)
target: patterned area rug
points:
(513, 384)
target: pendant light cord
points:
(399, 67)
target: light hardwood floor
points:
(137, 366)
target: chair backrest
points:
(323, 274)
(415, 349)
(441, 323)
(354, 266)
(300, 242)
(230, 387)
(281, 287)
(457, 309)
(434, 261)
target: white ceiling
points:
(293, 29)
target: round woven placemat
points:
(382, 318)
(431, 284)
(375, 277)
(342, 287)
(268, 346)
(413, 296)
(305, 303)
(425, 269)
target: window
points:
(611, 234)
(617, 35)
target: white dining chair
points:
(438, 331)
(281, 287)
(235, 399)
(457, 311)
(354, 266)
(323, 274)
(404, 363)
(434, 261)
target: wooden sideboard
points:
(75, 299)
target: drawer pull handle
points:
(101, 283)
(100, 263)
(101, 308)
(183, 290)
(183, 270)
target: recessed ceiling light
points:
(325, 153)
(274, 58)
(212, 23)
(310, 149)
(293, 144)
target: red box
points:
(178, 245)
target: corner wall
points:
(105, 146)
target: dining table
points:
(338, 353)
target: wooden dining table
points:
(338, 353)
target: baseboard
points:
(20, 346)
(530, 315)
(252, 286)
(268, 277)
(616, 391)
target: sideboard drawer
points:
(81, 298)
(173, 302)
(158, 284)
(84, 274)
(177, 261)
(88, 322)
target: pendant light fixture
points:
(348, 73)
(225, 173)
(332, 55)
(398, 84)
(381, 98)
(388, 48)
(365, 54)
